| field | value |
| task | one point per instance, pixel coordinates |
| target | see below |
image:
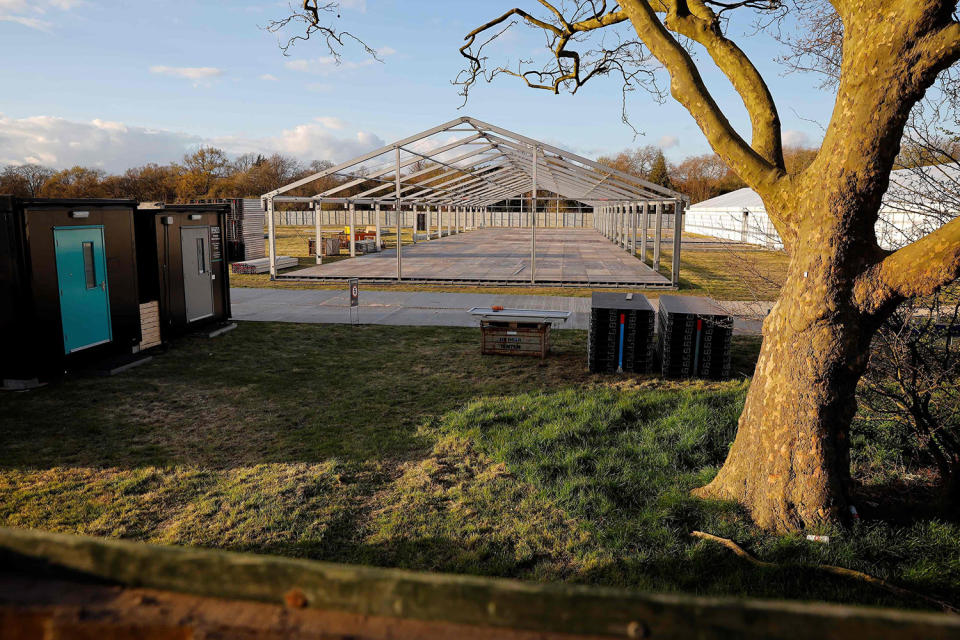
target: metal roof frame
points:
(493, 164)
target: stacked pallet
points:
(694, 336)
(250, 229)
(621, 333)
(149, 325)
(262, 265)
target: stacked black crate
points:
(609, 312)
(693, 338)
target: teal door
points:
(84, 296)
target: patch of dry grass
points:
(402, 446)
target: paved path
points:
(408, 308)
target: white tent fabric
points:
(917, 202)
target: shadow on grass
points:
(272, 393)
(404, 447)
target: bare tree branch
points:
(308, 19)
(694, 19)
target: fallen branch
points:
(838, 571)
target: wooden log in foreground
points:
(45, 586)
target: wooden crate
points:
(330, 245)
(515, 338)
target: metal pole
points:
(616, 225)
(657, 236)
(644, 225)
(633, 223)
(318, 247)
(272, 240)
(533, 228)
(415, 222)
(622, 225)
(397, 208)
(376, 216)
(353, 230)
(677, 238)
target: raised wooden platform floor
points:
(499, 256)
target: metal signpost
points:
(354, 301)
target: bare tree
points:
(637, 162)
(914, 378)
(30, 178)
(704, 177)
(789, 464)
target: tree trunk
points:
(790, 464)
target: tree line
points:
(210, 173)
(205, 173)
(700, 176)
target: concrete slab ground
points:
(564, 256)
(427, 309)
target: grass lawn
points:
(728, 273)
(723, 274)
(404, 447)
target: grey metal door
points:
(197, 276)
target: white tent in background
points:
(917, 202)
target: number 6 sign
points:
(354, 292)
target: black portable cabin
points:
(68, 284)
(183, 264)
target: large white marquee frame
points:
(470, 166)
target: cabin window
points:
(201, 257)
(89, 268)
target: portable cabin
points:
(68, 284)
(183, 264)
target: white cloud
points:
(794, 138)
(32, 23)
(62, 143)
(199, 75)
(668, 142)
(116, 146)
(331, 122)
(33, 14)
(269, 77)
(306, 141)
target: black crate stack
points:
(693, 338)
(603, 350)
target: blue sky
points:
(114, 84)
